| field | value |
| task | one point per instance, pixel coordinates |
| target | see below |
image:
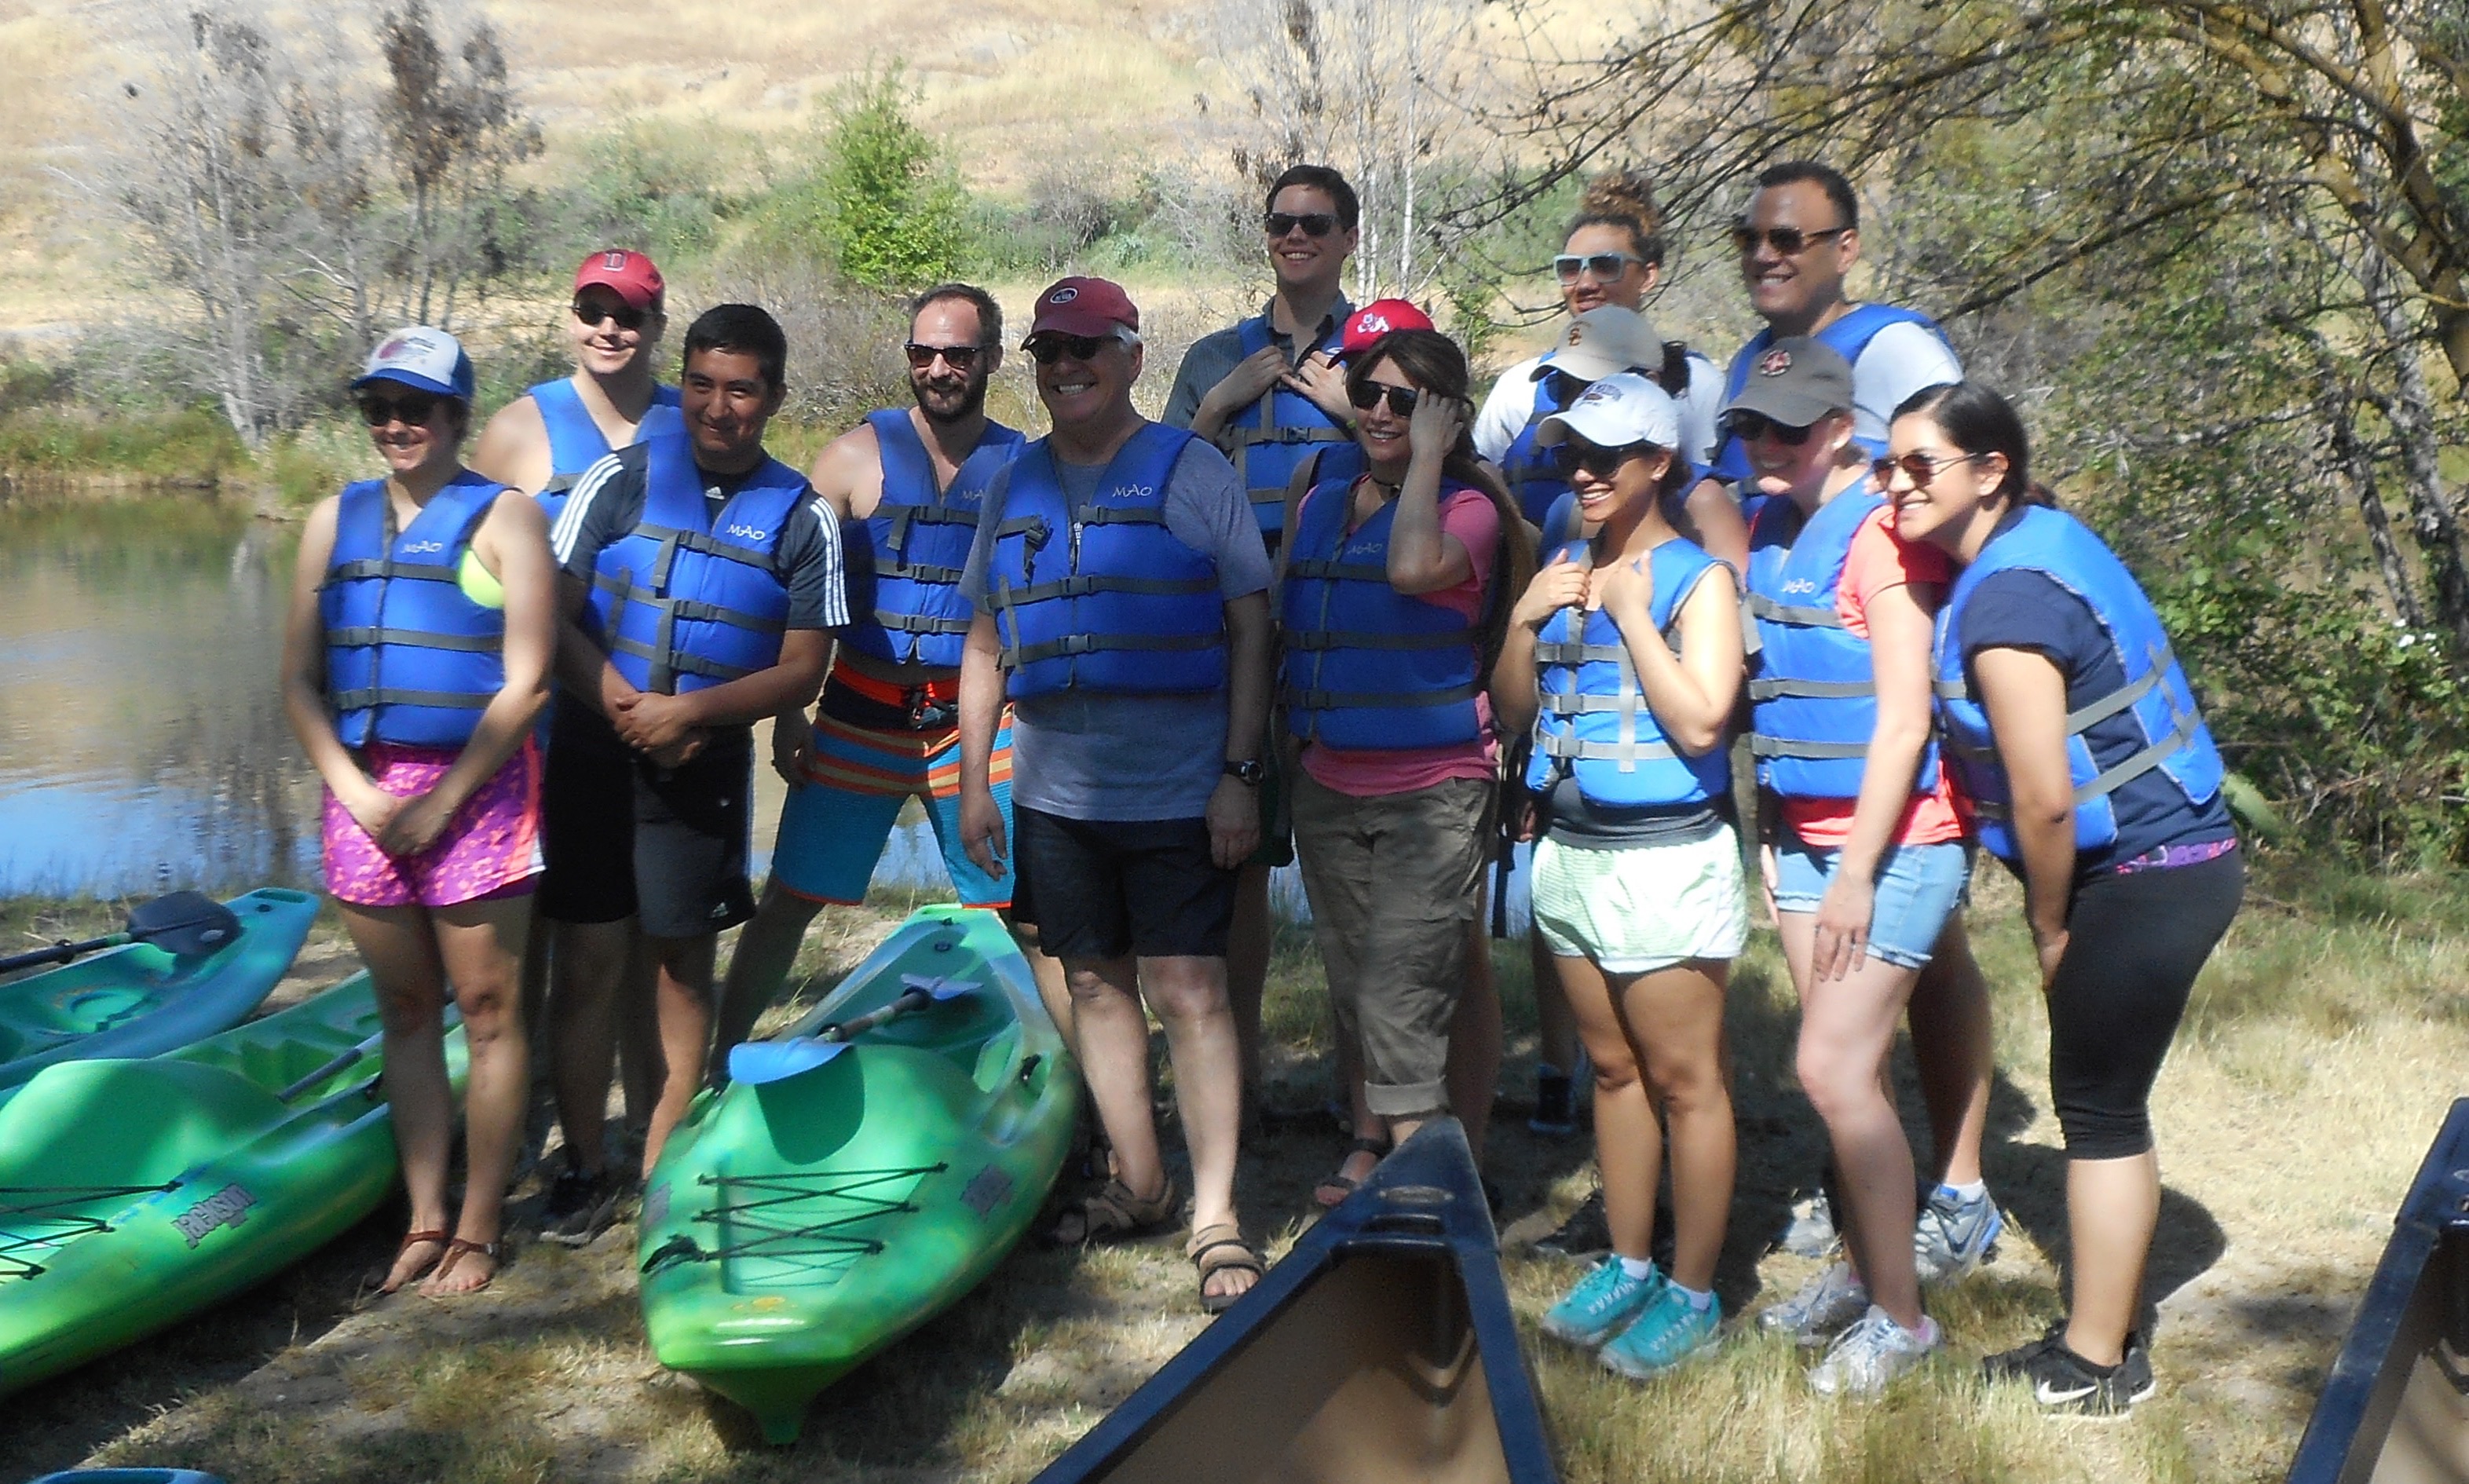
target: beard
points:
(942, 408)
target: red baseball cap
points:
(629, 274)
(1379, 317)
(1085, 306)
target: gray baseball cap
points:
(1796, 382)
(1604, 341)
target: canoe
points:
(135, 1193)
(2396, 1407)
(1380, 1349)
(796, 1225)
(138, 1000)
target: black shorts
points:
(625, 838)
(1104, 888)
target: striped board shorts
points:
(835, 824)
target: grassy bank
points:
(2321, 1051)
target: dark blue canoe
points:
(1382, 1349)
(2396, 1408)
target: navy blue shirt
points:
(2027, 611)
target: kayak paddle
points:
(773, 1060)
(185, 924)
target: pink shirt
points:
(1469, 516)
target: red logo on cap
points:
(1577, 334)
(1063, 295)
(1774, 363)
(613, 260)
(393, 347)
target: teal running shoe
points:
(1668, 1333)
(1602, 1305)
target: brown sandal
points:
(1221, 1248)
(1113, 1214)
(455, 1250)
(410, 1241)
(1343, 1183)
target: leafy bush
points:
(880, 204)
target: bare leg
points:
(1475, 1041)
(639, 1035)
(1675, 1022)
(589, 975)
(2112, 1207)
(1188, 995)
(683, 992)
(1113, 1038)
(1950, 1044)
(482, 946)
(1248, 938)
(409, 978)
(1628, 1139)
(767, 950)
(1054, 986)
(1555, 1025)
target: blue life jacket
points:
(1278, 431)
(1534, 480)
(575, 442)
(920, 536)
(1105, 597)
(1814, 691)
(1593, 718)
(1366, 666)
(409, 657)
(1851, 336)
(685, 601)
(2156, 693)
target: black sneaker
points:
(580, 1207)
(1584, 1235)
(2065, 1381)
(1556, 1105)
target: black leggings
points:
(2134, 943)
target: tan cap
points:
(1604, 341)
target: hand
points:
(1234, 816)
(1627, 594)
(1523, 816)
(372, 807)
(1252, 375)
(1319, 379)
(650, 722)
(416, 826)
(2051, 947)
(982, 830)
(679, 753)
(1560, 584)
(1843, 925)
(1434, 429)
(793, 745)
(1767, 875)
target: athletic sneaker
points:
(1602, 1304)
(1668, 1332)
(1811, 1232)
(1584, 1235)
(580, 1207)
(1871, 1354)
(2065, 1381)
(1822, 1308)
(1954, 1235)
(1556, 1105)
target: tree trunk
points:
(2358, 460)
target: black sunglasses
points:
(1919, 467)
(960, 357)
(413, 408)
(1053, 345)
(1602, 267)
(1367, 395)
(1313, 223)
(626, 316)
(1750, 426)
(1791, 242)
(1602, 462)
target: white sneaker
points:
(1824, 1304)
(1871, 1354)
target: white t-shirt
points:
(1898, 361)
(1511, 402)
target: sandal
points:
(1221, 1248)
(1114, 1212)
(386, 1282)
(455, 1251)
(1335, 1186)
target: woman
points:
(1391, 617)
(416, 658)
(2073, 730)
(1629, 648)
(1863, 849)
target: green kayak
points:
(138, 1000)
(800, 1223)
(133, 1194)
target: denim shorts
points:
(1918, 886)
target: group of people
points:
(1324, 610)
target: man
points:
(906, 484)
(1269, 393)
(701, 579)
(541, 443)
(1121, 594)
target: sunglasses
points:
(1919, 467)
(413, 408)
(1602, 462)
(1602, 267)
(1367, 395)
(1053, 345)
(626, 316)
(1789, 242)
(1313, 223)
(960, 357)
(1750, 426)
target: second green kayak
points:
(796, 1225)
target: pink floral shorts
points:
(490, 848)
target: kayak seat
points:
(127, 1121)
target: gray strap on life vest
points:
(1311, 640)
(1811, 690)
(1088, 582)
(1347, 700)
(2124, 774)
(912, 624)
(364, 637)
(367, 696)
(1337, 571)
(1761, 606)
(381, 568)
(1089, 644)
(1790, 748)
(666, 667)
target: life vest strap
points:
(666, 665)
(1337, 571)
(1763, 607)
(919, 572)
(1016, 656)
(1811, 690)
(1085, 584)
(2124, 774)
(1563, 651)
(917, 624)
(1793, 748)
(385, 567)
(1631, 753)
(366, 637)
(1283, 433)
(1350, 700)
(1115, 515)
(1311, 640)
(383, 695)
(2117, 701)
(1579, 703)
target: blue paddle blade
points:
(774, 1061)
(937, 987)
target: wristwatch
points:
(1249, 771)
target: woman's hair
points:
(1433, 362)
(1624, 199)
(1978, 420)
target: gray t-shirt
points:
(1100, 755)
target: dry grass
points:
(2323, 1048)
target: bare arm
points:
(2025, 695)
(1691, 694)
(1233, 812)
(1561, 584)
(513, 544)
(653, 723)
(1899, 651)
(513, 448)
(981, 699)
(1714, 524)
(1237, 390)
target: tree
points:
(452, 132)
(883, 205)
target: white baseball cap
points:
(1614, 413)
(426, 359)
